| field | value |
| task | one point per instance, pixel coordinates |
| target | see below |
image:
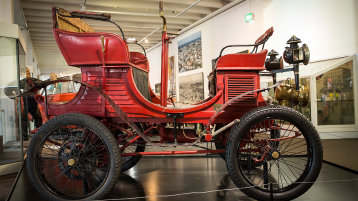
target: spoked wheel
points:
(73, 156)
(124, 139)
(274, 146)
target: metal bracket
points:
(236, 121)
(282, 70)
(175, 116)
(276, 71)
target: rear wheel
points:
(73, 156)
(283, 145)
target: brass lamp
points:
(287, 95)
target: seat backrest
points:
(82, 46)
(139, 60)
(69, 23)
(264, 37)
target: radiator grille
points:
(239, 85)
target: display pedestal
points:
(341, 152)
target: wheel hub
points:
(275, 155)
(71, 162)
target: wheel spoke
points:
(265, 175)
(292, 166)
(293, 148)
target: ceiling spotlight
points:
(146, 40)
(131, 40)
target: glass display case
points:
(12, 60)
(335, 96)
(333, 104)
(12, 56)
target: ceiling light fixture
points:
(131, 40)
(146, 40)
(124, 26)
(124, 13)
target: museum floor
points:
(182, 178)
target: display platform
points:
(197, 178)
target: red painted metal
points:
(208, 137)
(240, 61)
(174, 152)
(137, 97)
(164, 68)
(261, 158)
(40, 103)
(35, 130)
(139, 60)
(110, 93)
(264, 37)
(130, 142)
(61, 98)
(84, 49)
(243, 101)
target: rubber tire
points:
(134, 159)
(306, 128)
(79, 119)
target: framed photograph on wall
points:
(191, 88)
(157, 88)
(190, 53)
(171, 77)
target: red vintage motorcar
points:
(273, 151)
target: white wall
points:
(328, 27)
(8, 62)
(53, 61)
(30, 57)
(6, 11)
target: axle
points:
(174, 152)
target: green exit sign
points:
(249, 17)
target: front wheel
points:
(289, 160)
(73, 156)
